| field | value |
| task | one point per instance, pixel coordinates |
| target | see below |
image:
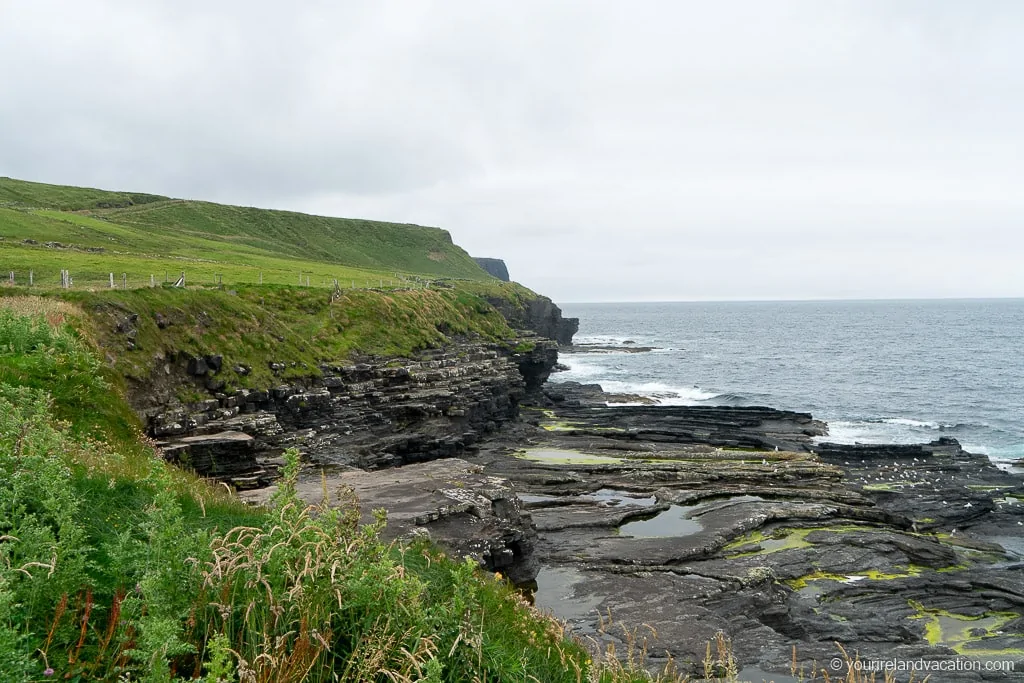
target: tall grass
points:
(114, 572)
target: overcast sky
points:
(619, 150)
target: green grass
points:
(254, 326)
(67, 198)
(389, 300)
(116, 566)
(147, 235)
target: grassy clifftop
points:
(47, 228)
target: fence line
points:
(92, 280)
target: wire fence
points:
(92, 280)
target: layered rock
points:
(893, 551)
(539, 315)
(379, 413)
(722, 426)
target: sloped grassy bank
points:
(116, 565)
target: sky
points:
(607, 151)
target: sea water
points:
(875, 371)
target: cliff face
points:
(494, 266)
(378, 413)
(223, 380)
(538, 314)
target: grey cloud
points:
(606, 150)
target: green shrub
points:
(111, 571)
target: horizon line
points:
(795, 301)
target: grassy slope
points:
(113, 564)
(297, 326)
(144, 235)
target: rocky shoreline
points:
(690, 520)
(892, 551)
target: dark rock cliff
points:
(382, 412)
(494, 266)
(539, 315)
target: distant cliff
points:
(494, 266)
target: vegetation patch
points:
(116, 566)
(870, 575)
(759, 543)
(965, 634)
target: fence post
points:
(31, 278)
(261, 277)
(152, 280)
(124, 280)
(111, 280)
(12, 277)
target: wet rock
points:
(719, 426)
(877, 548)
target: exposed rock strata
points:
(540, 315)
(721, 426)
(882, 549)
(380, 413)
(450, 501)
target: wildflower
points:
(48, 672)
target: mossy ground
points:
(963, 633)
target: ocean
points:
(875, 371)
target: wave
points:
(728, 399)
(1000, 455)
(581, 369)
(908, 422)
(608, 340)
(900, 430)
(892, 430)
(664, 394)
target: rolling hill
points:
(92, 233)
